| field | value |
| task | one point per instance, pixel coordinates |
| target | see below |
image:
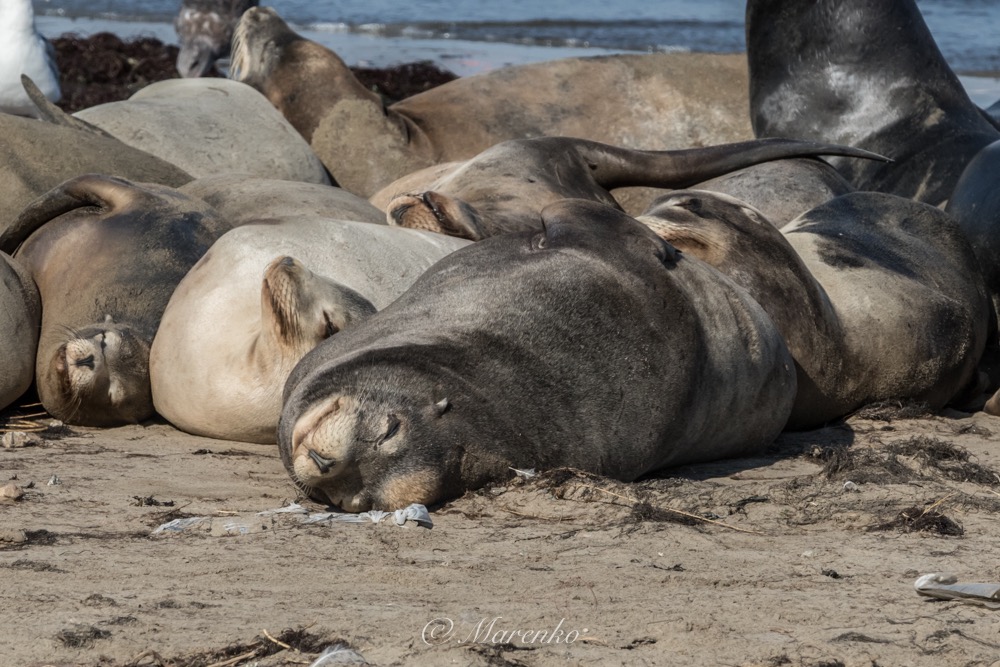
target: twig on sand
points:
(238, 659)
(935, 504)
(279, 642)
(675, 511)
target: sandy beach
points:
(805, 555)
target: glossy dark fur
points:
(590, 343)
(864, 73)
(877, 296)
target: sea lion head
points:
(101, 376)
(258, 43)
(436, 212)
(303, 308)
(381, 452)
(205, 30)
(711, 226)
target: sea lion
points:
(591, 343)
(20, 314)
(658, 101)
(864, 73)
(36, 157)
(781, 190)
(210, 126)
(264, 295)
(975, 204)
(242, 198)
(504, 188)
(878, 297)
(205, 31)
(106, 255)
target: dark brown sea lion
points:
(878, 297)
(20, 315)
(656, 101)
(591, 343)
(504, 188)
(106, 255)
(864, 73)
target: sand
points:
(762, 561)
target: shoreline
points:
(459, 57)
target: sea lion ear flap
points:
(89, 190)
(51, 113)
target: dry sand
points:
(779, 566)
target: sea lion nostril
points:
(87, 361)
(323, 464)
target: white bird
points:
(24, 51)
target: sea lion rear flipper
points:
(51, 113)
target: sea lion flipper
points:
(51, 113)
(615, 166)
(87, 190)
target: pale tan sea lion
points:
(261, 298)
(208, 127)
(654, 102)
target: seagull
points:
(205, 29)
(24, 51)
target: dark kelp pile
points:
(105, 68)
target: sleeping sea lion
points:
(504, 188)
(261, 297)
(590, 343)
(878, 297)
(106, 255)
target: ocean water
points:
(470, 36)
